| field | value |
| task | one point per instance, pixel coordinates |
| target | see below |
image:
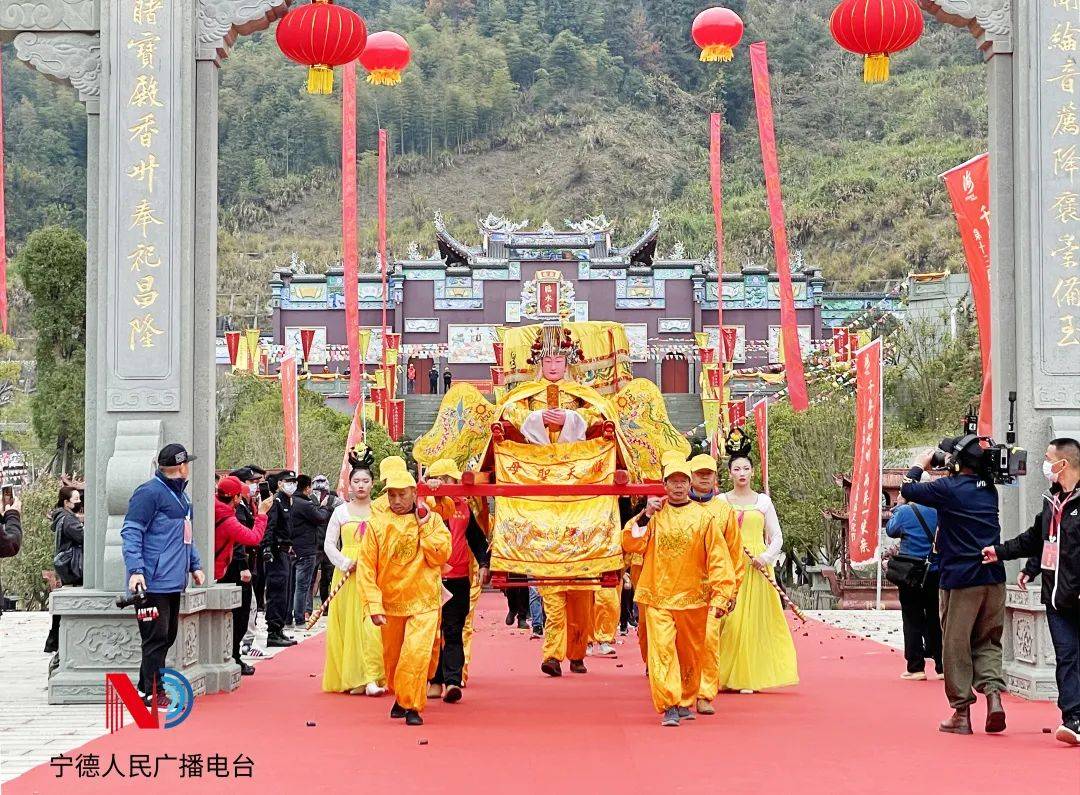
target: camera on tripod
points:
(995, 463)
(136, 600)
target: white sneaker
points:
(917, 676)
(590, 650)
(374, 690)
(606, 650)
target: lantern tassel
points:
(384, 77)
(876, 68)
(717, 52)
(320, 80)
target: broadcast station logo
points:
(120, 692)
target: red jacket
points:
(228, 531)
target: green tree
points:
(52, 268)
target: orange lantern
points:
(717, 31)
(385, 58)
(321, 35)
(876, 29)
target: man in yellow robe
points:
(703, 490)
(399, 573)
(686, 574)
(568, 622)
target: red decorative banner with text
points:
(761, 425)
(3, 222)
(736, 413)
(969, 190)
(349, 251)
(716, 179)
(864, 500)
(290, 412)
(793, 365)
(382, 228)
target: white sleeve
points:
(533, 428)
(574, 429)
(774, 539)
(333, 535)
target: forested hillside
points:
(548, 110)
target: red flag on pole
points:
(3, 222)
(736, 413)
(290, 411)
(793, 366)
(348, 228)
(716, 123)
(969, 190)
(864, 500)
(761, 425)
(232, 342)
(382, 228)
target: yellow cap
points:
(676, 468)
(391, 463)
(399, 479)
(442, 468)
(671, 455)
(702, 462)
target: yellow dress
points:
(354, 653)
(756, 650)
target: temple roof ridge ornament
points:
(500, 223)
(989, 21)
(643, 249)
(590, 223)
(452, 250)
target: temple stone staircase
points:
(683, 410)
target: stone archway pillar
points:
(148, 74)
(1035, 224)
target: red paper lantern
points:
(321, 35)
(717, 31)
(385, 58)
(876, 29)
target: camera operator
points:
(972, 600)
(1053, 540)
(279, 560)
(159, 555)
(10, 537)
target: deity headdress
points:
(555, 341)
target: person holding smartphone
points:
(160, 553)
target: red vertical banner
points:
(3, 220)
(290, 412)
(716, 180)
(969, 191)
(307, 337)
(736, 413)
(793, 365)
(761, 425)
(395, 424)
(348, 228)
(864, 500)
(232, 342)
(382, 226)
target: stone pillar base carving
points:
(97, 638)
(1029, 652)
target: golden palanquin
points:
(565, 536)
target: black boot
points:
(397, 711)
(412, 718)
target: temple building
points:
(448, 305)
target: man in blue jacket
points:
(159, 553)
(915, 526)
(972, 595)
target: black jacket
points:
(332, 502)
(241, 554)
(68, 531)
(278, 532)
(10, 541)
(305, 520)
(1061, 589)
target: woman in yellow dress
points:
(756, 650)
(354, 654)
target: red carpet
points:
(851, 726)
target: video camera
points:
(136, 600)
(995, 463)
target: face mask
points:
(289, 488)
(1048, 470)
(253, 489)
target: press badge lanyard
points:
(1052, 545)
(187, 518)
